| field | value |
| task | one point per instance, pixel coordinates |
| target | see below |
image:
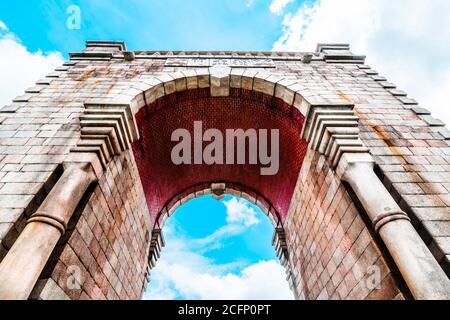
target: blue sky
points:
(151, 25)
(409, 47)
(218, 250)
(200, 218)
(233, 257)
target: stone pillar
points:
(334, 132)
(281, 250)
(23, 264)
(423, 275)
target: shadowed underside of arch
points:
(166, 183)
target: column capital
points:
(348, 161)
(107, 130)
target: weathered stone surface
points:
(438, 228)
(329, 244)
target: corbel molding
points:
(333, 131)
(106, 131)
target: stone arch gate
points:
(359, 205)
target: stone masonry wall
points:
(332, 252)
(108, 245)
(411, 149)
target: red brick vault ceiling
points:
(164, 182)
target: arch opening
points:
(228, 242)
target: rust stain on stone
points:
(83, 79)
(88, 74)
(95, 84)
(380, 132)
(345, 97)
(103, 70)
(383, 136)
(110, 87)
(361, 114)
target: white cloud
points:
(216, 239)
(239, 211)
(184, 272)
(406, 41)
(260, 281)
(239, 216)
(19, 67)
(277, 6)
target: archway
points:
(218, 249)
(166, 183)
(334, 154)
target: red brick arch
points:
(203, 189)
(165, 184)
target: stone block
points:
(260, 84)
(407, 101)
(236, 78)
(20, 188)
(433, 188)
(48, 289)
(403, 177)
(435, 177)
(437, 228)
(408, 188)
(444, 244)
(421, 111)
(423, 201)
(444, 132)
(220, 81)
(15, 201)
(432, 122)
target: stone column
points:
(423, 275)
(333, 131)
(281, 250)
(23, 264)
